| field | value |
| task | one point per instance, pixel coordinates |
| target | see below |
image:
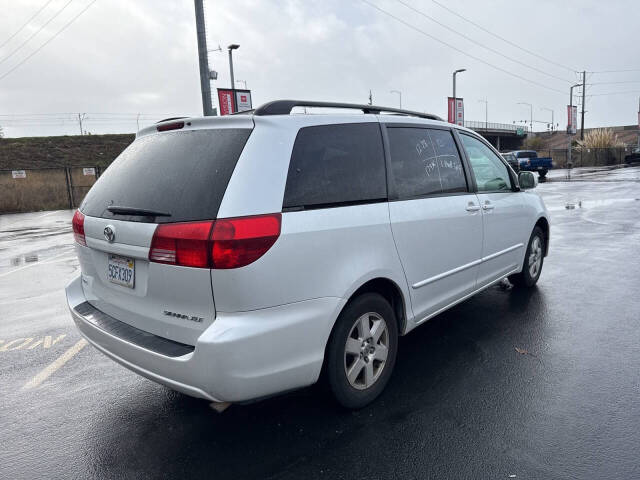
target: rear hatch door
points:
(170, 177)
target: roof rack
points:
(284, 107)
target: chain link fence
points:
(588, 157)
(37, 189)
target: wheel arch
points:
(391, 292)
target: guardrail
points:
(508, 127)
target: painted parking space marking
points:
(55, 365)
(29, 343)
(34, 264)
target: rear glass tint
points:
(334, 165)
(182, 173)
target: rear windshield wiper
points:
(136, 211)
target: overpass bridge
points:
(503, 136)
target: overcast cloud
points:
(126, 57)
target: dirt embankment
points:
(67, 151)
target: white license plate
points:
(121, 270)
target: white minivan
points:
(234, 258)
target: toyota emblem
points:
(109, 233)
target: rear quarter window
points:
(184, 173)
(333, 165)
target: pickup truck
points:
(529, 161)
(633, 157)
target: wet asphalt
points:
(540, 383)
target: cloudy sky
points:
(121, 58)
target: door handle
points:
(472, 207)
(487, 206)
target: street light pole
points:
(486, 113)
(454, 80)
(399, 95)
(231, 48)
(552, 113)
(531, 112)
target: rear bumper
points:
(241, 356)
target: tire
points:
(359, 324)
(530, 273)
(542, 173)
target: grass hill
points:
(66, 151)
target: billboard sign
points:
(455, 111)
(243, 100)
(233, 101)
(572, 116)
(226, 101)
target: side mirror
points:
(527, 180)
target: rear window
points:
(182, 173)
(333, 165)
(527, 154)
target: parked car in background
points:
(529, 161)
(633, 157)
(512, 160)
(233, 258)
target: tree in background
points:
(1, 132)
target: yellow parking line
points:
(59, 362)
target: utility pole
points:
(80, 118)
(584, 85)
(370, 98)
(203, 58)
(570, 128)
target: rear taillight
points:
(223, 244)
(185, 244)
(240, 241)
(78, 228)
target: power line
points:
(502, 38)
(25, 24)
(458, 49)
(419, 12)
(628, 92)
(615, 83)
(36, 32)
(73, 19)
(618, 71)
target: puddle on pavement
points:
(36, 256)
